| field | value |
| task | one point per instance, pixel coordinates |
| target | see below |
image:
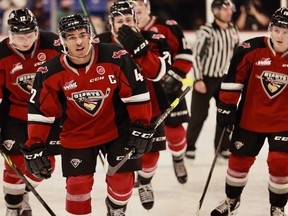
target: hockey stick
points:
(85, 11)
(28, 184)
(210, 172)
(110, 170)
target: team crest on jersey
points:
(16, 67)
(8, 144)
(90, 101)
(245, 45)
(273, 83)
(119, 53)
(75, 162)
(25, 81)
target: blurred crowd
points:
(248, 15)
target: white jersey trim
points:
(137, 98)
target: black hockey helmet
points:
(120, 8)
(221, 3)
(22, 21)
(72, 22)
(280, 18)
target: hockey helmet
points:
(120, 8)
(22, 21)
(221, 3)
(280, 18)
(73, 22)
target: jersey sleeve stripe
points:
(186, 57)
(40, 118)
(137, 98)
(232, 86)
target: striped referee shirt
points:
(213, 50)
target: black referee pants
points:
(199, 113)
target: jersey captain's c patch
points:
(273, 83)
(90, 101)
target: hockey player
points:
(258, 73)
(213, 49)
(181, 65)
(107, 107)
(153, 59)
(21, 54)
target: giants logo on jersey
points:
(90, 101)
(272, 82)
(25, 81)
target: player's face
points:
(279, 37)
(78, 43)
(142, 11)
(225, 13)
(23, 42)
(120, 20)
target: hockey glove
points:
(171, 82)
(226, 115)
(37, 161)
(133, 41)
(140, 139)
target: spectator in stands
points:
(253, 16)
(43, 17)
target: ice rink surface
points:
(171, 197)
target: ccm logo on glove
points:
(34, 156)
(142, 135)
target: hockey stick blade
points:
(110, 170)
(28, 184)
(210, 172)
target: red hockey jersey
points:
(17, 72)
(260, 76)
(99, 100)
(180, 49)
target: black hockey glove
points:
(133, 41)
(140, 139)
(37, 161)
(171, 82)
(226, 115)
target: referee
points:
(212, 51)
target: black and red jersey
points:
(180, 49)
(99, 100)
(153, 65)
(17, 72)
(260, 76)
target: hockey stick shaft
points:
(112, 170)
(28, 184)
(211, 170)
(86, 13)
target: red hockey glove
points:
(140, 139)
(37, 161)
(171, 82)
(226, 115)
(133, 41)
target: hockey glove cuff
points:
(36, 160)
(140, 139)
(133, 41)
(226, 115)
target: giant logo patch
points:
(273, 83)
(90, 101)
(26, 81)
